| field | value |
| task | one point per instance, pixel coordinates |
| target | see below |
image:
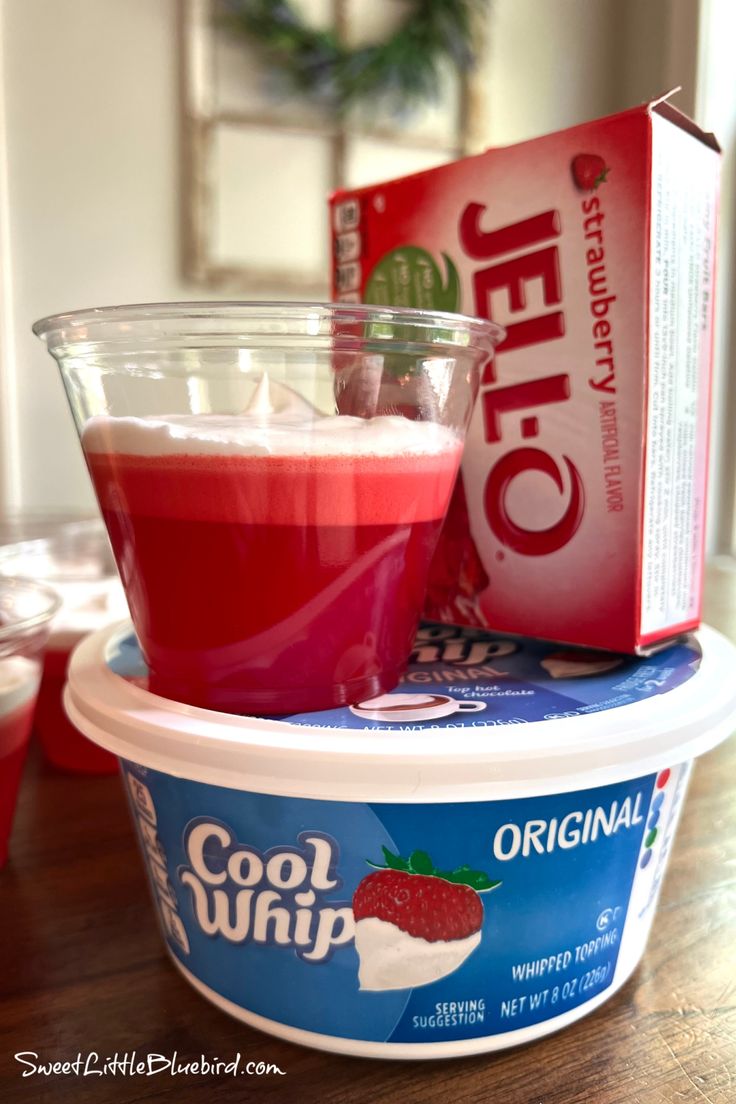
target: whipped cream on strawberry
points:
(392, 959)
(415, 924)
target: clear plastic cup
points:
(273, 477)
(75, 557)
(26, 609)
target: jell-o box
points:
(579, 513)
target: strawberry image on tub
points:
(414, 923)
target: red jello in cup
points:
(272, 516)
(302, 555)
(26, 609)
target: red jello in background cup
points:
(26, 610)
(273, 477)
(75, 558)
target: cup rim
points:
(64, 328)
(22, 626)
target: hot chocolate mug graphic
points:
(413, 707)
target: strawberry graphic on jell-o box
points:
(414, 923)
(588, 171)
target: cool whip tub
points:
(410, 878)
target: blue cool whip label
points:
(403, 923)
(420, 922)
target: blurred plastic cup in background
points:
(76, 559)
(26, 609)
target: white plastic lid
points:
(531, 719)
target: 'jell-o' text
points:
(578, 516)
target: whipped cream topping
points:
(392, 959)
(273, 400)
(249, 435)
(277, 421)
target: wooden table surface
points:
(82, 969)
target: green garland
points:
(404, 68)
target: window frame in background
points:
(201, 116)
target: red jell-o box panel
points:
(579, 513)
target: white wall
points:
(90, 98)
(90, 209)
(555, 63)
(550, 65)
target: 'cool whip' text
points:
(275, 896)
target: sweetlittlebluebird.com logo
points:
(139, 1064)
